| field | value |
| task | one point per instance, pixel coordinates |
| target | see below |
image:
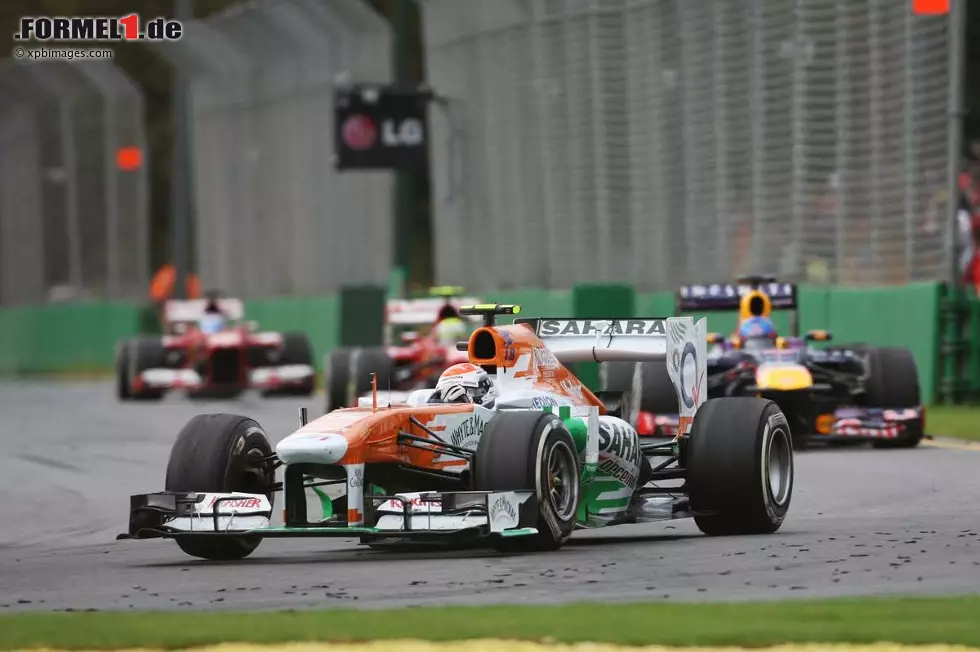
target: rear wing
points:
(726, 296)
(421, 311)
(175, 311)
(679, 341)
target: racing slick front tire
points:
(372, 361)
(133, 357)
(654, 390)
(740, 469)
(220, 453)
(531, 451)
(337, 379)
(296, 350)
(893, 383)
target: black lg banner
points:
(380, 127)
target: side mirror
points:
(410, 337)
(818, 336)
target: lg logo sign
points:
(409, 133)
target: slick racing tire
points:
(337, 379)
(371, 361)
(740, 470)
(531, 451)
(220, 453)
(296, 350)
(893, 383)
(616, 376)
(133, 357)
(653, 390)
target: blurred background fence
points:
(666, 141)
(272, 216)
(73, 199)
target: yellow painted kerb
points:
(525, 646)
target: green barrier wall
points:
(81, 337)
(602, 300)
(64, 338)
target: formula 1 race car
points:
(420, 343)
(835, 394)
(208, 351)
(545, 458)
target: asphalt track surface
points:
(862, 522)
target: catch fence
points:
(73, 190)
(666, 141)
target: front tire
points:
(296, 350)
(337, 379)
(220, 453)
(893, 382)
(134, 357)
(532, 451)
(740, 467)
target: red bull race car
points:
(420, 343)
(832, 393)
(209, 351)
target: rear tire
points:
(740, 466)
(532, 451)
(893, 383)
(220, 453)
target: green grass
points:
(896, 620)
(957, 421)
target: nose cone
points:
(784, 377)
(312, 448)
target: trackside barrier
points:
(959, 347)
(81, 336)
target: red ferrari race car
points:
(420, 343)
(208, 351)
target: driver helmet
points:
(465, 383)
(757, 327)
(450, 331)
(212, 323)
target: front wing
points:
(844, 423)
(480, 514)
(261, 378)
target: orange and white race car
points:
(509, 447)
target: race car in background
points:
(208, 351)
(420, 337)
(835, 394)
(519, 466)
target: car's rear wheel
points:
(893, 383)
(740, 467)
(221, 453)
(531, 451)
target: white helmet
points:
(450, 331)
(466, 383)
